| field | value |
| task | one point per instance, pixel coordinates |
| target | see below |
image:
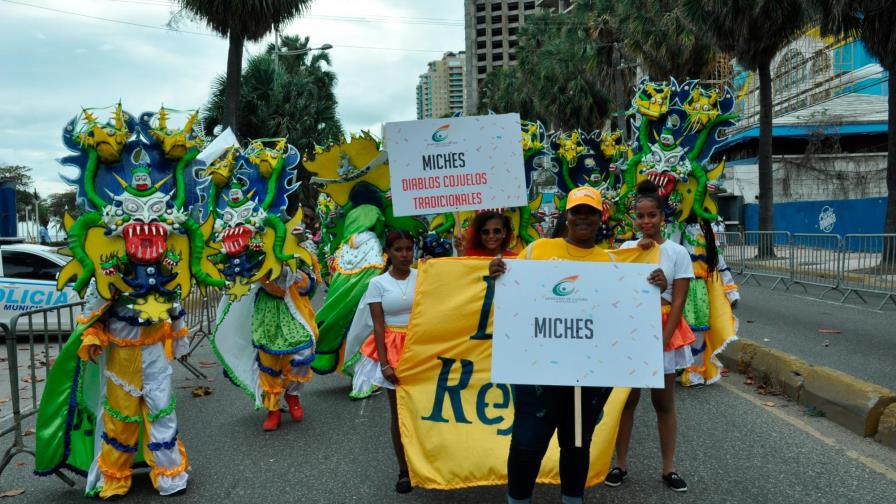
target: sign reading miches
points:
(456, 164)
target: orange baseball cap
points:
(585, 195)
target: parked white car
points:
(28, 282)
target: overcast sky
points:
(54, 62)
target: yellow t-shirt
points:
(559, 248)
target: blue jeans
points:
(538, 411)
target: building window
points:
(496, 6)
(512, 6)
(821, 65)
(497, 44)
(480, 32)
(480, 7)
(496, 31)
(513, 18)
(792, 71)
(480, 20)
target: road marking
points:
(800, 424)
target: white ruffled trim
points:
(127, 387)
(679, 358)
(367, 376)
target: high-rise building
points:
(440, 91)
(491, 37)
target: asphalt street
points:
(855, 339)
(734, 446)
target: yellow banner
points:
(454, 422)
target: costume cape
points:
(347, 287)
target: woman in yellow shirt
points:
(539, 410)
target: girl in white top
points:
(677, 337)
(389, 298)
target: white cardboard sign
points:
(577, 323)
(455, 164)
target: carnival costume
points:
(355, 176)
(679, 127)
(708, 306)
(140, 250)
(265, 333)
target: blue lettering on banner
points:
(453, 393)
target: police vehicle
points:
(28, 282)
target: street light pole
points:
(325, 47)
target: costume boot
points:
(295, 407)
(272, 421)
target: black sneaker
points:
(615, 477)
(403, 485)
(674, 481)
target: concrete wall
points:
(815, 177)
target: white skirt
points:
(679, 358)
(368, 376)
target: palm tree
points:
(664, 44)
(874, 23)
(753, 31)
(291, 97)
(567, 72)
(241, 21)
(504, 91)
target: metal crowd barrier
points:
(767, 254)
(814, 261)
(43, 332)
(732, 246)
(201, 312)
(868, 264)
(850, 265)
(53, 326)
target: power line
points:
(98, 18)
(352, 19)
(187, 32)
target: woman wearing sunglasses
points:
(489, 236)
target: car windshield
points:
(30, 266)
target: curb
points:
(864, 408)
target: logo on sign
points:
(826, 219)
(440, 134)
(565, 287)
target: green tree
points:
(874, 23)
(241, 21)
(566, 69)
(289, 96)
(664, 44)
(502, 92)
(753, 31)
(58, 204)
(26, 195)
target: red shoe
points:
(295, 407)
(272, 422)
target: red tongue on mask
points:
(665, 181)
(236, 239)
(145, 243)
